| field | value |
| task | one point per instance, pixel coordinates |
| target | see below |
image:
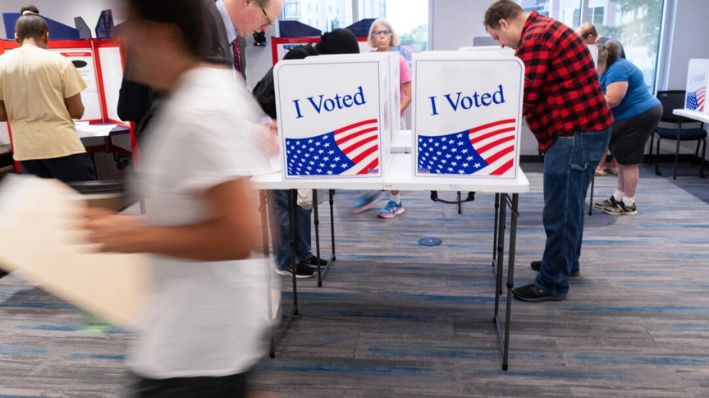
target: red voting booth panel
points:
(86, 48)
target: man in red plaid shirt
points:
(565, 109)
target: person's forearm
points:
(405, 102)
(209, 241)
(3, 113)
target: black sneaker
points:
(601, 204)
(301, 271)
(537, 265)
(313, 261)
(621, 209)
(533, 293)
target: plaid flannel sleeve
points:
(537, 58)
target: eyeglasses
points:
(382, 33)
(268, 20)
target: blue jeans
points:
(279, 230)
(569, 165)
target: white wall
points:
(688, 32)
(687, 28)
(259, 59)
(454, 23)
(64, 11)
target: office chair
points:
(672, 100)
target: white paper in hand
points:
(40, 239)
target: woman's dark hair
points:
(188, 16)
(29, 8)
(31, 26)
(608, 54)
(339, 41)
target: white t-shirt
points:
(203, 318)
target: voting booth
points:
(100, 64)
(467, 114)
(697, 85)
(335, 115)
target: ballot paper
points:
(85, 130)
(41, 241)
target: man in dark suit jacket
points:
(138, 102)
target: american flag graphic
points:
(349, 150)
(484, 150)
(695, 100)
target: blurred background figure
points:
(590, 36)
(382, 38)
(637, 113)
(207, 314)
(339, 41)
(40, 94)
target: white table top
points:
(399, 176)
(698, 116)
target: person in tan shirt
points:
(40, 94)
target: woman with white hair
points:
(382, 38)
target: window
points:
(291, 10)
(341, 17)
(597, 14)
(635, 24)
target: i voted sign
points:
(330, 117)
(467, 114)
(697, 84)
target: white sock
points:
(618, 195)
(628, 201)
(396, 198)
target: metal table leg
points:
(494, 233)
(332, 223)
(514, 215)
(316, 222)
(293, 239)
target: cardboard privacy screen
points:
(334, 116)
(467, 113)
(697, 85)
(42, 243)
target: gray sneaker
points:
(621, 209)
(601, 204)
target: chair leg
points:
(652, 140)
(657, 157)
(701, 161)
(674, 171)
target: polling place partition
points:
(100, 64)
(467, 108)
(333, 116)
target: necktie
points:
(236, 50)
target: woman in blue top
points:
(637, 113)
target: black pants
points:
(72, 168)
(233, 386)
